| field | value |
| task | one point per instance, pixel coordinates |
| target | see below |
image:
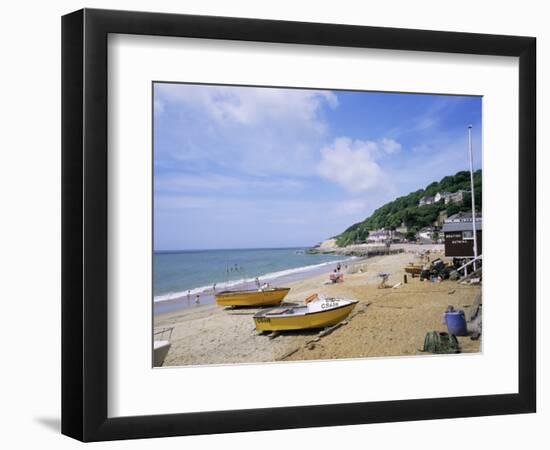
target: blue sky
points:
(248, 167)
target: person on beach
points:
(198, 299)
(338, 267)
(188, 296)
(257, 281)
(214, 287)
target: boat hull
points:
(160, 350)
(269, 297)
(320, 319)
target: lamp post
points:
(472, 194)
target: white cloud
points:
(209, 182)
(390, 146)
(353, 163)
(259, 131)
(249, 105)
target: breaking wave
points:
(226, 285)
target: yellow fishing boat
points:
(268, 296)
(318, 312)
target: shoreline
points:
(385, 322)
(287, 276)
(349, 253)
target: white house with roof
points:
(377, 236)
(426, 233)
(447, 197)
(426, 200)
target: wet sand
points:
(386, 322)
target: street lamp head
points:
(469, 126)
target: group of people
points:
(259, 285)
(256, 280)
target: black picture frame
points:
(84, 224)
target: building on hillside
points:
(441, 196)
(379, 236)
(426, 233)
(398, 237)
(459, 236)
(456, 197)
(426, 200)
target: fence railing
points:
(163, 334)
(465, 266)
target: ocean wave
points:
(226, 285)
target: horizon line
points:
(229, 248)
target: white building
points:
(426, 233)
(426, 200)
(377, 236)
(441, 196)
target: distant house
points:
(398, 236)
(426, 233)
(426, 200)
(441, 196)
(459, 236)
(378, 236)
(456, 197)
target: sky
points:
(256, 167)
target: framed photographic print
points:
(273, 224)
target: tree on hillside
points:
(405, 209)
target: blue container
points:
(456, 323)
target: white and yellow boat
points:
(318, 312)
(268, 296)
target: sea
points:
(179, 276)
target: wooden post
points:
(405, 279)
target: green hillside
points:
(406, 210)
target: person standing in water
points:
(188, 296)
(198, 299)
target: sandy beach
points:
(386, 322)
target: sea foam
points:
(227, 285)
